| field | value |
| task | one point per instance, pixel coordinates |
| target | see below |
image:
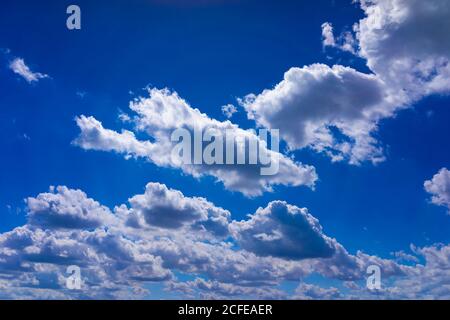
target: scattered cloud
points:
(66, 209)
(327, 35)
(345, 42)
(161, 232)
(19, 67)
(423, 281)
(228, 110)
(439, 188)
(403, 256)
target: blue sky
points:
(211, 53)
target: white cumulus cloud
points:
(163, 112)
(123, 250)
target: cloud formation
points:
(312, 292)
(313, 101)
(439, 188)
(162, 207)
(66, 209)
(283, 231)
(405, 43)
(19, 67)
(120, 251)
(228, 110)
(345, 42)
(162, 113)
(337, 110)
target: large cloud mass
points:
(406, 44)
(19, 67)
(121, 251)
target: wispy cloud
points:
(19, 67)
(228, 110)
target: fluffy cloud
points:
(19, 67)
(345, 42)
(167, 208)
(94, 136)
(427, 280)
(439, 188)
(313, 101)
(403, 256)
(65, 208)
(327, 35)
(163, 112)
(110, 263)
(228, 110)
(284, 231)
(117, 258)
(119, 251)
(337, 110)
(406, 44)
